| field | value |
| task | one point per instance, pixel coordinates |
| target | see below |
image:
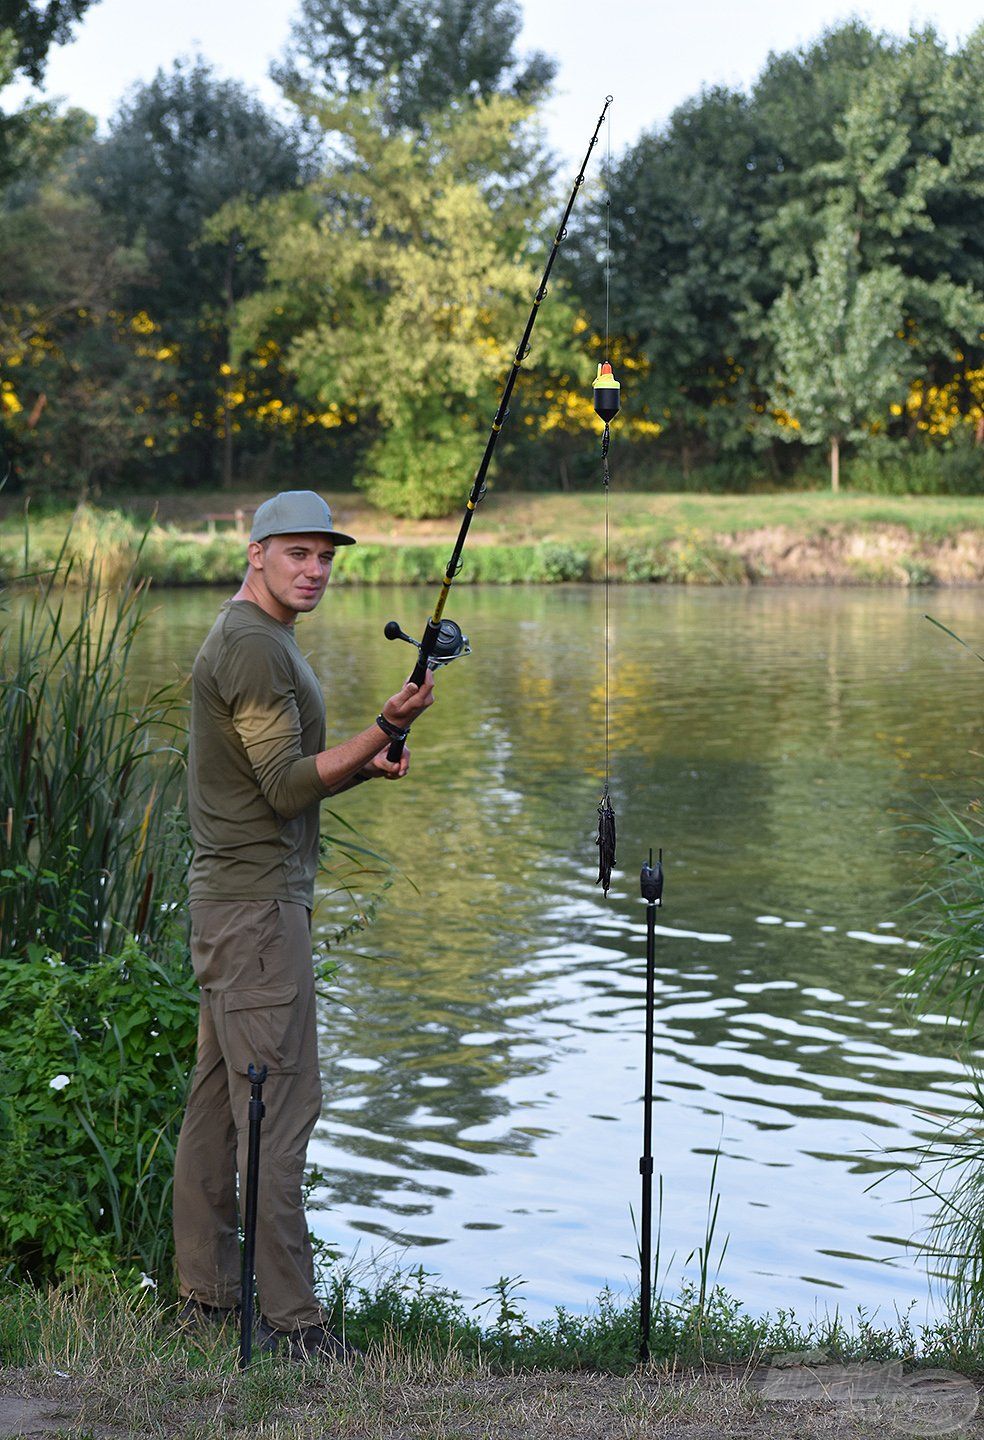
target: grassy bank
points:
(682, 539)
(91, 1360)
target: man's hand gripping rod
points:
(442, 640)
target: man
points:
(257, 770)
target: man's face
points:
(293, 570)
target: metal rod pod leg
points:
(256, 1112)
(651, 880)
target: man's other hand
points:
(379, 768)
(403, 708)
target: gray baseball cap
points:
(296, 512)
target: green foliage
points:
(93, 959)
(948, 468)
(399, 287)
(947, 974)
(417, 56)
(83, 392)
(840, 359)
(210, 292)
(548, 563)
(103, 1323)
(689, 265)
(33, 134)
(35, 28)
(170, 559)
(693, 1326)
(419, 466)
(688, 559)
(949, 970)
(86, 1162)
(182, 148)
(719, 212)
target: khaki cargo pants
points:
(252, 959)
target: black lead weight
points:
(607, 393)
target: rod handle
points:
(417, 677)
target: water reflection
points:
(483, 1062)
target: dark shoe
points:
(306, 1342)
(195, 1315)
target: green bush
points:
(89, 545)
(422, 466)
(549, 562)
(170, 559)
(91, 1095)
(956, 468)
(685, 560)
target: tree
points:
(687, 265)
(903, 170)
(83, 389)
(36, 27)
(398, 286)
(32, 135)
(841, 358)
(180, 150)
(415, 55)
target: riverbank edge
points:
(840, 554)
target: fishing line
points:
(607, 403)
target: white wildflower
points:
(60, 1081)
(146, 1282)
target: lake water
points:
(484, 1052)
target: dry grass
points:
(111, 1387)
(385, 1398)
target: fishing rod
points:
(443, 640)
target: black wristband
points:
(391, 731)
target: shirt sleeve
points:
(256, 681)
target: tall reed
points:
(90, 834)
(948, 972)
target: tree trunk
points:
(835, 463)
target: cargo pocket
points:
(260, 1027)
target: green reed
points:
(91, 842)
(948, 973)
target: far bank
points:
(521, 538)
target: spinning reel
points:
(449, 645)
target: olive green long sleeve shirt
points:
(257, 723)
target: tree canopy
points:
(35, 27)
(415, 55)
(797, 268)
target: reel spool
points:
(451, 643)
